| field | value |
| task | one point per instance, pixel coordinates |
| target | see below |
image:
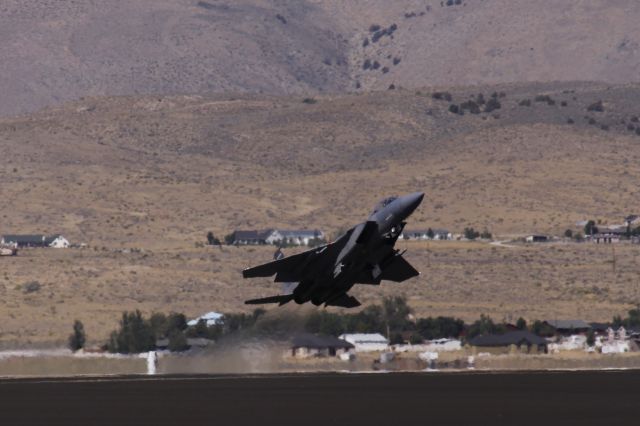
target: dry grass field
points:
(142, 179)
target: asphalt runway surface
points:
(544, 398)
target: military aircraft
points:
(365, 254)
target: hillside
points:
(161, 171)
(155, 174)
(55, 51)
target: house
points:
(310, 345)
(21, 241)
(301, 237)
(568, 327)
(632, 220)
(275, 236)
(607, 236)
(367, 342)
(523, 341)
(210, 318)
(537, 238)
(427, 234)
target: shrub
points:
(605, 127)
(592, 121)
(453, 108)
(442, 96)
(391, 87)
(525, 102)
(177, 341)
(492, 105)
(396, 60)
(365, 42)
(440, 327)
(78, 338)
(375, 65)
(281, 18)
(134, 336)
(471, 106)
(590, 228)
(385, 70)
(31, 287)
(570, 120)
(596, 107)
(521, 324)
(545, 98)
(630, 127)
(486, 235)
(470, 233)
(563, 103)
(634, 119)
(568, 233)
(309, 101)
(366, 64)
(638, 131)
(480, 99)
(373, 28)
(484, 325)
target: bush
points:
(365, 42)
(521, 324)
(375, 65)
(568, 233)
(596, 107)
(385, 70)
(471, 234)
(396, 60)
(440, 327)
(78, 338)
(590, 228)
(454, 109)
(31, 287)
(485, 325)
(134, 336)
(442, 96)
(177, 341)
(471, 106)
(541, 329)
(525, 102)
(373, 28)
(492, 105)
(545, 98)
(367, 64)
(486, 235)
(309, 101)
(570, 121)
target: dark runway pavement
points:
(543, 398)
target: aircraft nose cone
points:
(412, 201)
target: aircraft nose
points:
(411, 202)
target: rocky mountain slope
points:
(54, 51)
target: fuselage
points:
(368, 246)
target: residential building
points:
(568, 327)
(521, 341)
(210, 318)
(425, 234)
(367, 342)
(21, 241)
(537, 238)
(311, 345)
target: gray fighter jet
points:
(363, 255)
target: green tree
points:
(471, 234)
(134, 336)
(177, 341)
(521, 324)
(484, 325)
(568, 233)
(430, 234)
(541, 329)
(591, 338)
(590, 228)
(78, 338)
(396, 312)
(440, 327)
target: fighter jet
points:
(365, 254)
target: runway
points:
(327, 399)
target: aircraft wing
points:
(293, 268)
(396, 269)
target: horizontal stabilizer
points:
(280, 299)
(344, 301)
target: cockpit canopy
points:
(382, 204)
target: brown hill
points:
(156, 173)
(53, 51)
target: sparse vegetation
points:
(545, 98)
(525, 102)
(596, 107)
(31, 287)
(78, 338)
(492, 105)
(309, 101)
(442, 96)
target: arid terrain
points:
(142, 179)
(136, 127)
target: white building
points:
(210, 318)
(59, 242)
(367, 342)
